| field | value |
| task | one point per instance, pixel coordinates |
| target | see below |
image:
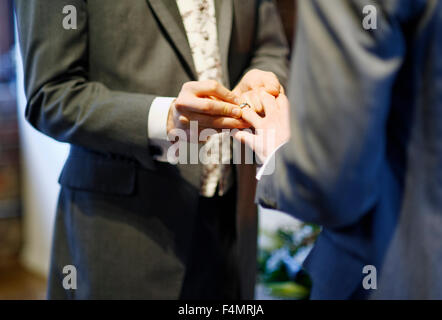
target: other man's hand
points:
(272, 130)
(254, 81)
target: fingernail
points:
(236, 112)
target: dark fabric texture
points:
(213, 270)
(364, 160)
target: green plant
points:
(280, 263)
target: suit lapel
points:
(169, 16)
(224, 18)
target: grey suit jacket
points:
(92, 87)
(365, 156)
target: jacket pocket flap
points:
(93, 173)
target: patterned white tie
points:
(200, 23)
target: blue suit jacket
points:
(365, 156)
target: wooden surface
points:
(16, 283)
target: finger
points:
(268, 101)
(184, 120)
(271, 84)
(256, 79)
(251, 117)
(212, 88)
(282, 101)
(246, 138)
(207, 121)
(252, 98)
(208, 107)
(237, 91)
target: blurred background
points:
(29, 167)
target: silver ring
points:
(243, 105)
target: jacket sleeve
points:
(340, 93)
(271, 49)
(62, 102)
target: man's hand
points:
(209, 103)
(254, 81)
(272, 130)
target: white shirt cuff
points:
(269, 164)
(157, 125)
